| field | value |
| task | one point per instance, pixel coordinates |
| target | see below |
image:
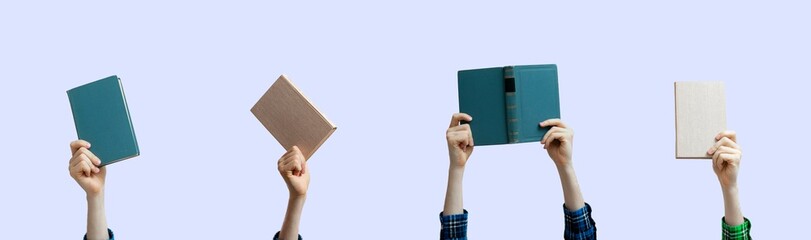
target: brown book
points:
(700, 116)
(291, 118)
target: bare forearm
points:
(453, 195)
(572, 197)
(96, 218)
(292, 218)
(732, 206)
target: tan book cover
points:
(291, 118)
(700, 116)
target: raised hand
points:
(83, 167)
(726, 158)
(460, 140)
(558, 142)
(293, 169)
(460, 147)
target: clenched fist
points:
(726, 158)
(83, 167)
(293, 168)
(460, 140)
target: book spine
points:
(511, 101)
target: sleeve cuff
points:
(453, 226)
(737, 232)
(579, 224)
(109, 232)
(276, 237)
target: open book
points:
(508, 103)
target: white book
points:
(700, 116)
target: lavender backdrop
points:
(385, 73)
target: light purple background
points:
(385, 73)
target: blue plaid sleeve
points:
(109, 232)
(276, 237)
(454, 227)
(579, 224)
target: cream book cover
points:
(700, 116)
(291, 118)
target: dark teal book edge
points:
(128, 152)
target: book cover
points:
(700, 116)
(291, 118)
(507, 103)
(102, 118)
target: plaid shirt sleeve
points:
(109, 232)
(739, 232)
(454, 227)
(579, 224)
(276, 237)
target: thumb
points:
(303, 168)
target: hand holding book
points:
(460, 139)
(293, 168)
(84, 168)
(558, 142)
(726, 158)
(726, 161)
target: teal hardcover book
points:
(102, 118)
(508, 103)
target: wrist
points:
(455, 174)
(455, 168)
(95, 197)
(298, 196)
(296, 202)
(567, 174)
(457, 161)
(732, 186)
(564, 168)
(730, 190)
